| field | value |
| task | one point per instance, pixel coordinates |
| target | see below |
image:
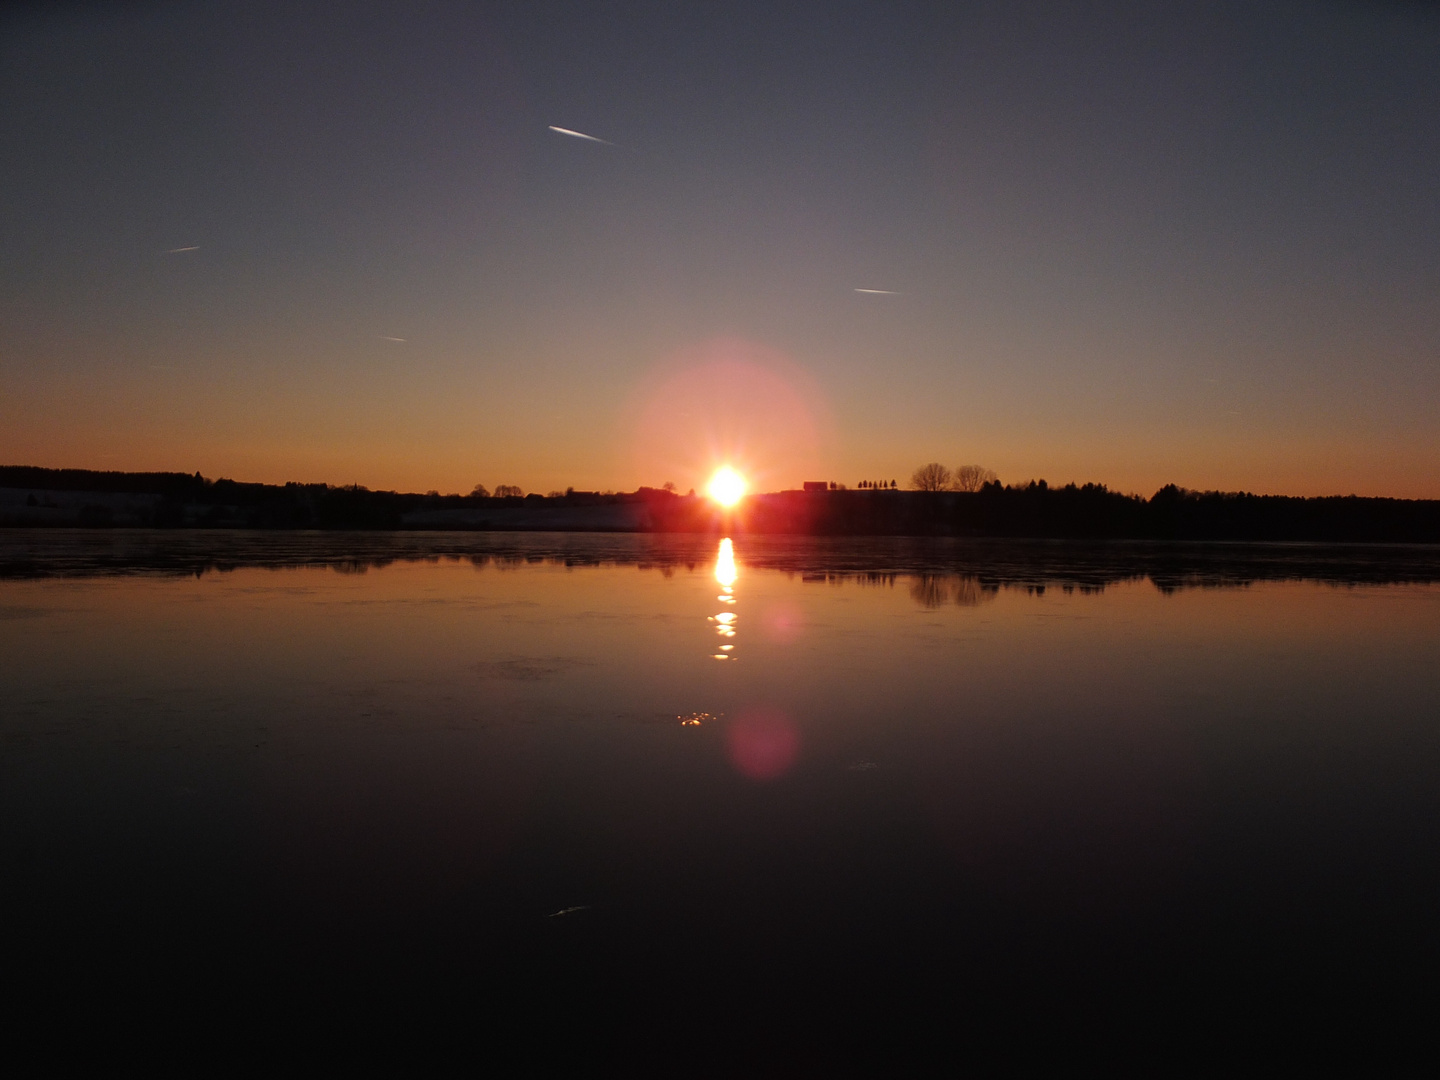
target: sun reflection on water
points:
(725, 574)
(725, 564)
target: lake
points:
(703, 805)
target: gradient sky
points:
(1132, 243)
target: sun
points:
(726, 487)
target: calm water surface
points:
(765, 805)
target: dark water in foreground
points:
(502, 793)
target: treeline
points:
(180, 500)
(1031, 510)
(1092, 511)
(167, 484)
(1074, 512)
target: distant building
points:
(817, 485)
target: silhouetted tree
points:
(508, 491)
(931, 477)
(480, 491)
(973, 477)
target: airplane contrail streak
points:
(879, 292)
(177, 251)
(580, 135)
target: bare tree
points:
(931, 477)
(508, 491)
(480, 491)
(973, 477)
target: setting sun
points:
(726, 487)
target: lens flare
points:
(735, 403)
(763, 744)
(726, 487)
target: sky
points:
(1128, 243)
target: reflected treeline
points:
(962, 590)
(929, 590)
(939, 571)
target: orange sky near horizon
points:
(435, 449)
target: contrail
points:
(879, 292)
(387, 337)
(580, 135)
(177, 251)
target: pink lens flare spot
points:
(763, 744)
(782, 623)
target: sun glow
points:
(726, 487)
